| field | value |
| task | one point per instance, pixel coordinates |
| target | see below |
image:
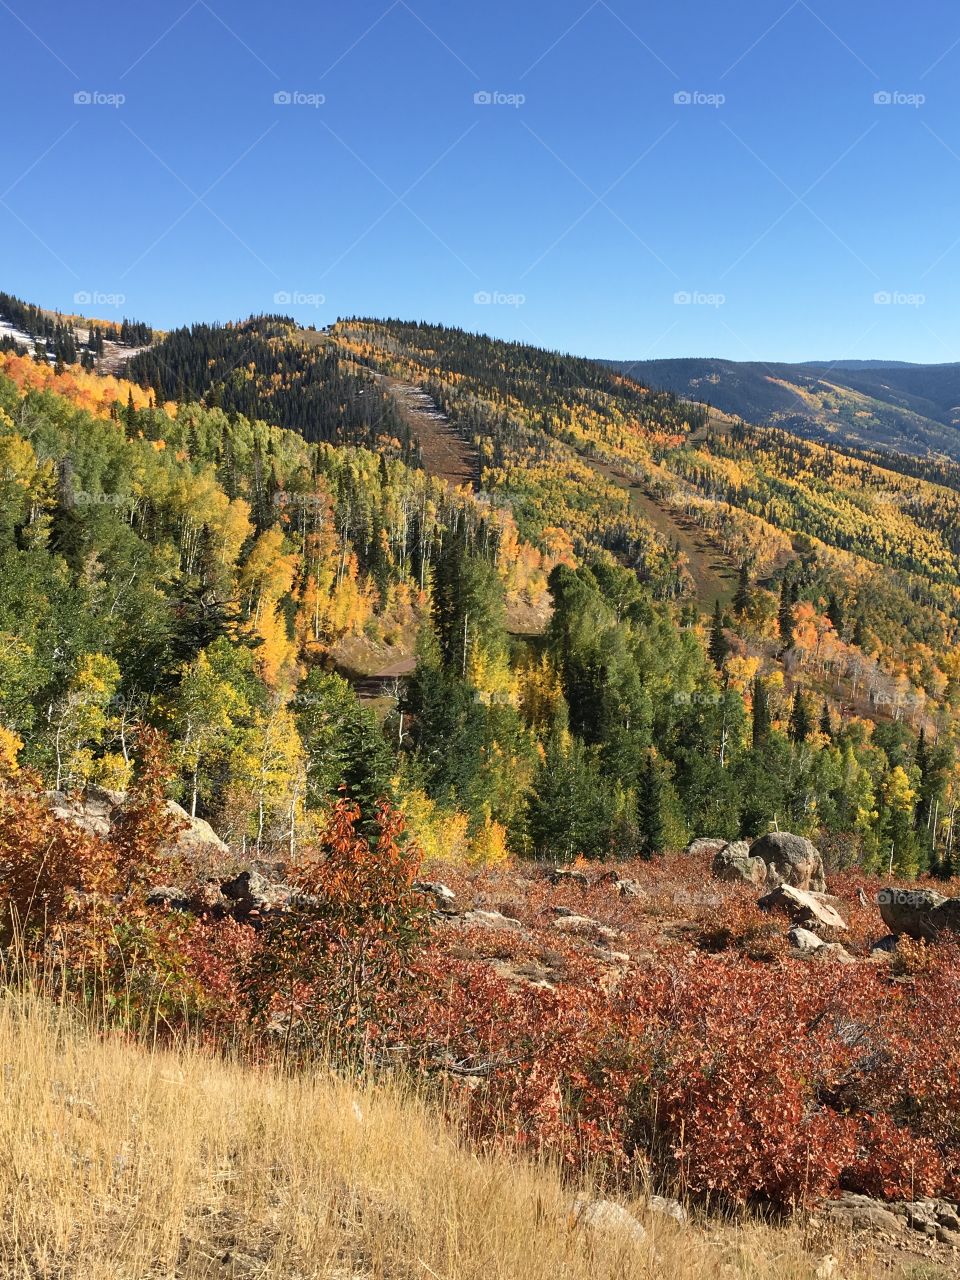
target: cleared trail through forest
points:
(714, 576)
(445, 453)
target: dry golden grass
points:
(128, 1163)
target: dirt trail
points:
(445, 453)
(714, 577)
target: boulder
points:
(194, 838)
(791, 860)
(733, 862)
(607, 1218)
(567, 875)
(803, 940)
(705, 846)
(917, 912)
(490, 920)
(802, 908)
(444, 899)
(585, 926)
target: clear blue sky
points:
(782, 199)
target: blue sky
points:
(776, 209)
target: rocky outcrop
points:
(936, 1219)
(96, 811)
(807, 909)
(791, 860)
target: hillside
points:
(869, 404)
(145, 1162)
(658, 889)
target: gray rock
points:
(733, 862)
(791, 860)
(916, 912)
(803, 940)
(705, 845)
(443, 896)
(607, 1218)
(490, 920)
(667, 1207)
(802, 908)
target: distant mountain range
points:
(913, 408)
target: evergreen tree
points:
(741, 601)
(719, 646)
(800, 725)
(650, 809)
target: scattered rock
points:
(478, 918)
(791, 860)
(803, 940)
(585, 926)
(443, 896)
(606, 1217)
(567, 875)
(803, 908)
(667, 1207)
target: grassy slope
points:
(129, 1163)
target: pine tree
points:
(741, 601)
(826, 721)
(651, 827)
(800, 722)
(719, 645)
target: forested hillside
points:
(172, 556)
